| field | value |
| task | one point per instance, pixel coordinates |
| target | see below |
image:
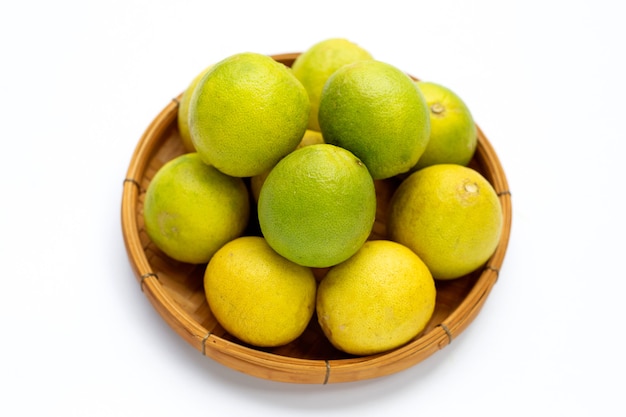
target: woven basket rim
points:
(288, 369)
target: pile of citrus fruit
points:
(315, 155)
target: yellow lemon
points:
(183, 111)
(450, 216)
(257, 295)
(453, 135)
(316, 64)
(317, 205)
(375, 111)
(377, 300)
(247, 113)
(311, 137)
(191, 209)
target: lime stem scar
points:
(437, 108)
(470, 187)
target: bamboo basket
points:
(176, 292)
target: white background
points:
(80, 81)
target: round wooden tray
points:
(176, 291)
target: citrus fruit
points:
(191, 209)
(183, 111)
(317, 205)
(247, 113)
(257, 295)
(377, 300)
(375, 111)
(316, 64)
(449, 215)
(453, 135)
(311, 137)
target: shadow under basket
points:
(176, 290)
